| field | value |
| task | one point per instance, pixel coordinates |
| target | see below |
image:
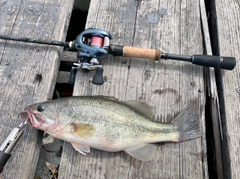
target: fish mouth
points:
(32, 118)
(25, 116)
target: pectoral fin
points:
(83, 149)
(143, 152)
(82, 130)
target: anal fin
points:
(83, 149)
(143, 152)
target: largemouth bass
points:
(107, 124)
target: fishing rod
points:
(93, 44)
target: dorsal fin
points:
(107, 97)
(140, 107)
(136, 105)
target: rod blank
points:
(39, 41)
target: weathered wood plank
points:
(63, 77)
(19, 65)
(168, 86)
(211, 88)
(226, 23)
(69, 56)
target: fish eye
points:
(40, 108)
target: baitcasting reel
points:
(92, 45)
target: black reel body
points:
(92, 44)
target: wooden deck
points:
(19, 65)
(228, 43)
(167, 86)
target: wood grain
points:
(63, 77)
(19, 65)
(168, 86)
(69, 56)
(226, 20)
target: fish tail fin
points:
(188, 124)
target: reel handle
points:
(98, 77)
(72, 77)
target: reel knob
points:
(98, 77)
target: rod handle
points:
(227, 63)
(134, 52)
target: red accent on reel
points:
(96, 41)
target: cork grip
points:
(141, 53)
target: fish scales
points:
(125, 124)
(108, 124)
